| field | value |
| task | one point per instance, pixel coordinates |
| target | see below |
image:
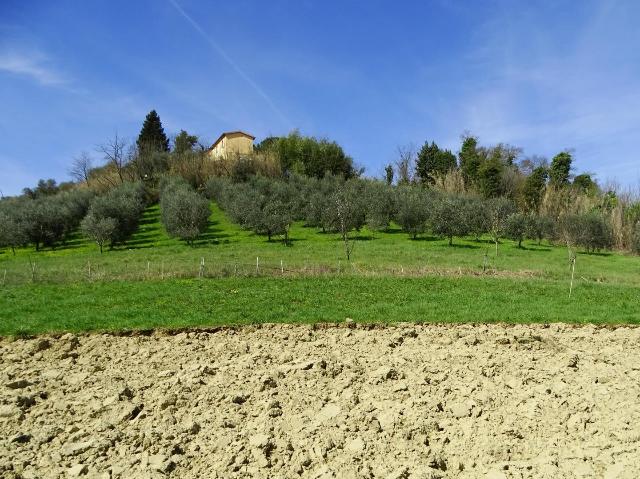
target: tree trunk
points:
(450, 240)
(496, 246)
(13, 250)
(100, 248)
(520, 243)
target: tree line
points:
(333, 204)
(478, 190)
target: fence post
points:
(33, 270)
(281, 267)
(148, 268)
(257, 265)
(573, 269)
(4, 278)
(162, 270)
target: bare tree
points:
(113, 152)
(81, 167)
(405, 164)
(530, 163)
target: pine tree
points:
(152, 137)
(184, 142)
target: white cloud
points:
(31, 64)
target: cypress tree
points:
(534, 187)
(152, 137)
(490, 178)
(469, 160)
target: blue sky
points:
(373, 75)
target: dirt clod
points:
(283, 401)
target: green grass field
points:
(153, 281)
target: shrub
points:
(310, 156)
(596, 232)
(588, 230)
(635, 242)
(243, 168)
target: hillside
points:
(156, 281)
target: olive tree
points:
(412, 210)
(517, 226)
(125, 204)
(185, 213)
(498, 210)
(100, 230)
(476, 217)
(43, 219)
(448, 218)
(540, 227)
(273, 209)
(318, 205)
(380, 205)
(346, 212)
(12, 232)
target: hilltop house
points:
(232, 143)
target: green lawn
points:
(152, 281)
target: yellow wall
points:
(233, 144)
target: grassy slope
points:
(62, 299)
(192, 302)
(226, 247)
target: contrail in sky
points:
(218, 49)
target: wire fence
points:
(95, 271)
